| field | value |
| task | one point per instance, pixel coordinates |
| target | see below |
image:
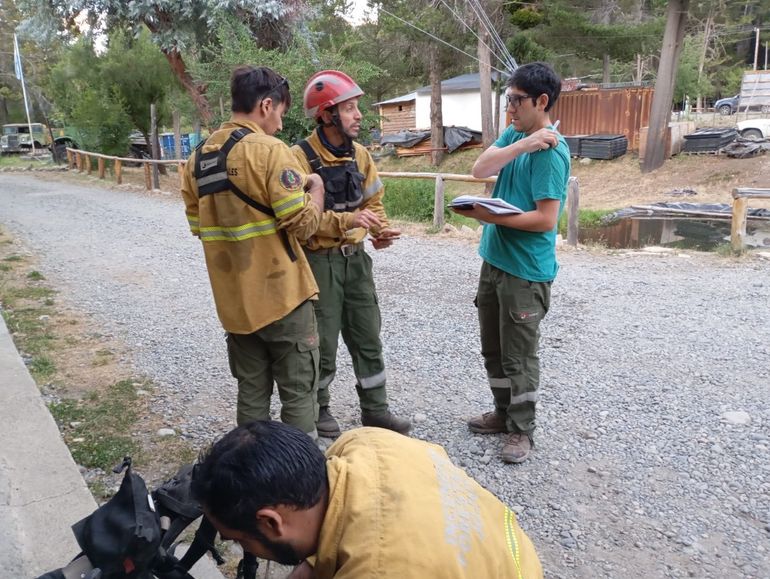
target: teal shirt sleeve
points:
(550, 171)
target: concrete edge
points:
(42, 493)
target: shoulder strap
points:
(312, 156)
(211, 176)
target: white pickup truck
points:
(754, 129)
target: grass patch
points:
(5, 267)
(41, 368)
(28, 293)
(13, 258)
(35, 276)
(98, 429)
(409, 199)
(587, 219)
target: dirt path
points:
(640, 468)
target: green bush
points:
(409, 199)
(587, 219)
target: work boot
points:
(517, 447)
(327, 425)
(386, 419)
(488, 423)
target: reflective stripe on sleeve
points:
(239, 233)
(289, 204)
(373, 188)
(194, 222)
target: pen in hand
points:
(556, 124)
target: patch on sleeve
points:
(290, 179)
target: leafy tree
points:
(94, 108)
(234, 46)
(177, 27)
(138, 75)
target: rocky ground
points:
(653, 445)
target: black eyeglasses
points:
(515, 100)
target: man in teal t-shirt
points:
(519, 253)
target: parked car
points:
(754, 129)
(730, 106)
(727, 106)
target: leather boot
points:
(386, 419)
(327, 425)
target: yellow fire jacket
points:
(253, 279)
(335, 228)
(399, 509)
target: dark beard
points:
(283, 553)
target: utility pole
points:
(756, 48)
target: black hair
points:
(259, 464)
(536, 78)
(250, 85)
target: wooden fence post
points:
(438, 203)
(180, 171)
(118, 171)
(101, 167)
(573, 211)
(738, 225)
(79, 162)
(147, 176)
(88, 164)
(155, 145)
(69, 160)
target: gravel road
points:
(653, 446)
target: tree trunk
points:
(196, 92)
(676, 18)
(485, 84)
(3, 110)
(436, 120)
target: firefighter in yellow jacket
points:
(378, 505)
(249, 201)
(347, 301)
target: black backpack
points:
(132, 536)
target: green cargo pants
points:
(285, 352)
(348, 303)
(510, 310)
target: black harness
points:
(211, 177)
(343, 183)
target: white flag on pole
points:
(17, 59)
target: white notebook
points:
(497, 206)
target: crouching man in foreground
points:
(378, 504)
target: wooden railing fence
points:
(81, 160)
(741, 198)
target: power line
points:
(433, 36)
(469, 27)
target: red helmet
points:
(326, 89)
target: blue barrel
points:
(167, 145)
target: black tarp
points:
(454, 138)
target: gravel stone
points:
(642, 350)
